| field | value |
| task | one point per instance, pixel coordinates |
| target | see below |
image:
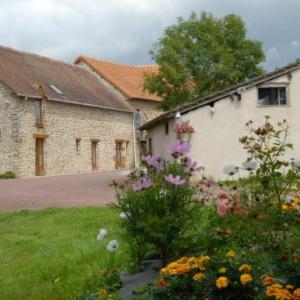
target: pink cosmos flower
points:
(208, 183)
(223, 207)
(192, 165)
(176, 180)
(142, 184)
(222, 195)
(178, 148)
(152, 161)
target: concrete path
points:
(58, 191)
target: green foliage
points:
(8, 175)
(267, 145)
(161, 215)
(201, 55)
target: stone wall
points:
(9, 130)
(148, 108)
(64, 123)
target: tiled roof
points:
(24, 73)
(209, 100)
(128, 79)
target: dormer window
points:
(55, 89)
(276, 95)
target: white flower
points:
(112, 246)
(124, 215)
(102, 234)
(249, 165)
(230, 170)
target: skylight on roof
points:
(56, 89)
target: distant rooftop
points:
(128, 79)
(25, 73)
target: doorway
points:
(119, 154)
(39, 156)
(94, 155)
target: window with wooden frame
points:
(39, 113)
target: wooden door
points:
(94, 156)
(118, 154)
(39, 156)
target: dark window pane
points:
(272, 96)
(38, 112)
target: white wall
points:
(216, 141)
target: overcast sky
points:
(125, 30)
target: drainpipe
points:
(134, 140)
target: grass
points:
(53, 253)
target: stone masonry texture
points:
(64, 123)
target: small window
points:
(56, 89)
(166, 128)
(137, 119)
(150, 146)
(78, 140)
(272, 96)
(38, 112)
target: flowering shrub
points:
(184, 127)
(158, 204)
(203, 277)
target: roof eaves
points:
(76, 103)
(200, 102)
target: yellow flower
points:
(289, 286)
(284, 207)
(198, 277)
(164, 271)
(245, 279)
(222, 282)
(230, 253)
(268, 280)
(223, 270)
(245, 268)
(296, 294)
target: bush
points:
(258, 216)
(158, 204)
(8, 175)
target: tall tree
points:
(201, 55)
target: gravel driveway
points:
(58, 191)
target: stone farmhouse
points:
(219, 119)
(58, 118)
(127, 81)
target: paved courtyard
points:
(58, 191)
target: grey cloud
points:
(125, 30)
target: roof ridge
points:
(38, 55)
(206, 100)
(146, 65)
(113, 62)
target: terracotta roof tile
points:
(128, 79)
(24, 73)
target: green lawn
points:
(53, 253)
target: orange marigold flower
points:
(289, 286)
(245, 279)
(164, 271)
(222, 282)
(296, 294)
(268, 280)
(230, 253)
(245, 268)
(223, 270)
(198, 277)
